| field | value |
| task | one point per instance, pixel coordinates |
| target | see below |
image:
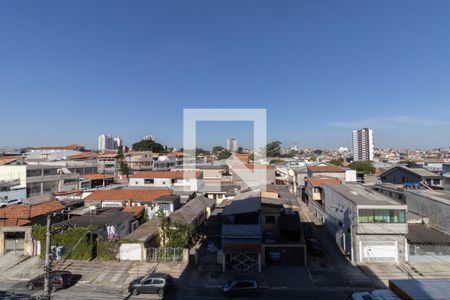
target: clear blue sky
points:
(70, 70)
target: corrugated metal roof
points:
(424, 234)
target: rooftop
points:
(97, 176)
(127, 194)
(424, 234)
(326, 169)
(440, 196)
(168, 174)
(243, 203)
(361, 195)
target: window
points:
(436, 181)
(158, 281)
(382, 216)
(317, 190)
(270, 219)
(149, 181)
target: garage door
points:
(379, 251)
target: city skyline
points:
(320, 69)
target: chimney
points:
(129, 202)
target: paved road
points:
(89, 291)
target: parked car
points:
(10, 202)
(6, 295)
(274, 254)
(241, 286)
(155, 283)
(314, 247)
(212, 248)
(58, 280)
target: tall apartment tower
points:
(232, 145)
(363, 144)
(107, 142)
(118, 142)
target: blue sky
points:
(70, 70)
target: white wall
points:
(14, 172)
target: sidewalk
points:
(333, 269)
(19, 267)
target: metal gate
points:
(163, 255)
(14, 241)
(244, 262)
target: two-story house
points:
(176, 180)
(366, 225)
(405, 175)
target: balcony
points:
(382, 228)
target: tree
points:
(120, 154)
(317, 152)
(240, 150)
(363, 166)
(224, 154)
(273, 149)
(148, 145)
(123, 166)
(217, 149)
(312, 158)
(337, 162)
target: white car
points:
(10, 202)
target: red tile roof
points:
(97, 176)
(8, 159)
(68, 147)
(70, 192)
(136, 210)
(13, 222)
(326, 169)
(83, 155)
(25, 212)
(168, 174)
(127, 194)
(316, 181)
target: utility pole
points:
(47, 256)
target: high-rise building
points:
(118, 142)
(363, 144)
(232, 145)
(108, 142)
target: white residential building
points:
(175, 180)
(108, 142)
(118, 142)
(363, 144)
(232, 145)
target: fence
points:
(164, 255)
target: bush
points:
(107, 250)
(74, 240)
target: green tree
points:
(240, 150)
(273, 149)
(120, 155)
(217, 149)
(337, 161)
(148, 145)
(363, 166)
(123, 168)
(224, 154)
(313, 158)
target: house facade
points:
(367, 226)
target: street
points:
(88, 291)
